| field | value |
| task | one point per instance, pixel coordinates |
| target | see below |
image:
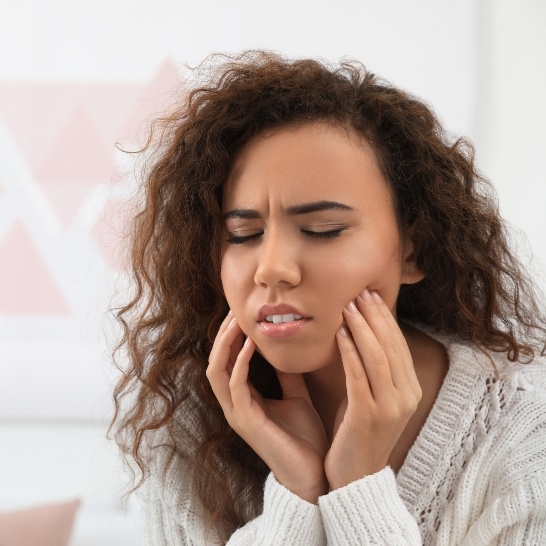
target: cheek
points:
(235, 285)
(373, 268)
(230, 279)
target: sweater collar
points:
(449, 417)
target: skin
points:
(351, 393)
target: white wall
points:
(480, 63)
(89, 71)
(510, 114)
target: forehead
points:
(294, 165)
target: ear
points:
(411, 274)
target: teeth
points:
(279, 319)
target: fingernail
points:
(376, 297)
(247, 341)
(366, 296)
(351, 307)
(229, 312)
(343, 331)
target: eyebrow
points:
(306, 208)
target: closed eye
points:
(323, 234)
(238, 239)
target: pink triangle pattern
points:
(66, 200)
(26, 285)
(79, 156)
(36, 113)
(111, 232)
(76, 162)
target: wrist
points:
(308, 492)
(342, 480)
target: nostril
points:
(278, 272)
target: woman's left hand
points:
(382, 391)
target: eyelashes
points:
(332, 234)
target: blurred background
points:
(77, 77)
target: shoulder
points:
(168, 495)
(487, 397)
(514, 392)
(505, 414)
(171, 453)
(525, 386)
(525, 408)
(511, 419)
(492, 375)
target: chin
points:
(302, 359)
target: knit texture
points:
(476, 475)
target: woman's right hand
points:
(287, 434)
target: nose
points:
(278, 262)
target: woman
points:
(331, 340)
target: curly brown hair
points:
(474, 286)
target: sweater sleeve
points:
(286, 520)
(368, 511)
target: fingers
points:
(384, 326)
(221, 360)
(228, 368)
(399, 343)
(373, 355)
(238, 383)
(358, 386)
(223, 327)
(384, 354)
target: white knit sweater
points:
(476, 475)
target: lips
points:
(283, 329)
(279, 309)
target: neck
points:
(327, 389)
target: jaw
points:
(298, 356)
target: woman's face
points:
(309, 222)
